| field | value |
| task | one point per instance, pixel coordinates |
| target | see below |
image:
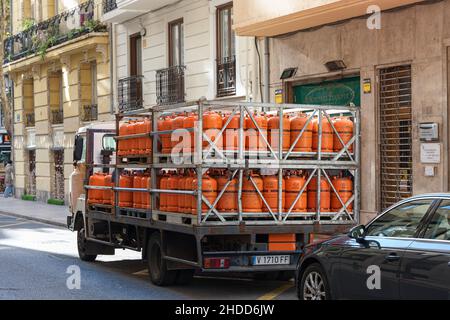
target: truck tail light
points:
(216, 263)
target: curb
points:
(45, 221)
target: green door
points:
(340, 92)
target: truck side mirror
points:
(78, 149)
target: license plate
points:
(271, 260)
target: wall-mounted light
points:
(335, 65)
(288, 73)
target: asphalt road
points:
(35, 258)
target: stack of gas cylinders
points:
(269, 126)
(127, 199)
(135, 146)
(215, 181)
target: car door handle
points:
(448, 264)
(392, 257)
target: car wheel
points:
(314, 284)
(82, 244)
(157, 266)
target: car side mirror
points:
(358, 233)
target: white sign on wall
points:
(430, 153)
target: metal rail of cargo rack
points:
(239, 162)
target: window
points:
(439, 226)
(135, 55)
(176, 43)
(400, 222)
(94, 82)
(225, 33)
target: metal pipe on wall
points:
(266, 71)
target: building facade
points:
(58, 61)
(394, 65)
(170, 51)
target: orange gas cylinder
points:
(344, 186)
(274, 132)
(294, 184)
(209, 191)
(137, 196)
(165, 124)
(270, 193)
(163, 185)
(96, 180)
(327, 135)
(145, 145)
(229, 200)
(133, 143)
(212, 124)
(126, 197)
(108, 195)
(251, 201)
(124, 147)
(182, 197)
(253, 139)
(146, 197)
(304, 144)
(325, 202)
(172, 198)
(344, 126)
(231, 134)
(177, 123)
(189, 123)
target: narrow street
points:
(34, 258)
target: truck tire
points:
(184, 276)
(82, 244)
(157, 266)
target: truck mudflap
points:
(251, 261)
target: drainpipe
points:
(266, 93)
(112, 53)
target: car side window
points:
(439, 226)
(400, 222)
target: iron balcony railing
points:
(29, 120)
(226, 77)
(57, 117)
(130, 93)
(89, 113)
(170, 85)
(109, 5)
(38, 38)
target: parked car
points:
(402, 254)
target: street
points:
(34, 258)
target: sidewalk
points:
(33, 210)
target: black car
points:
(402, 254)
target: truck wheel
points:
(184, 276)
(157, 266)
(82, 247)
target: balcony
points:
(263, 18)
(89, 113)
(57, 117)
(129, 93)
(40, 37)
(118, 11)
(170, 85)
(29, 120)
(226, 77)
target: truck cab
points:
(92, 144)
